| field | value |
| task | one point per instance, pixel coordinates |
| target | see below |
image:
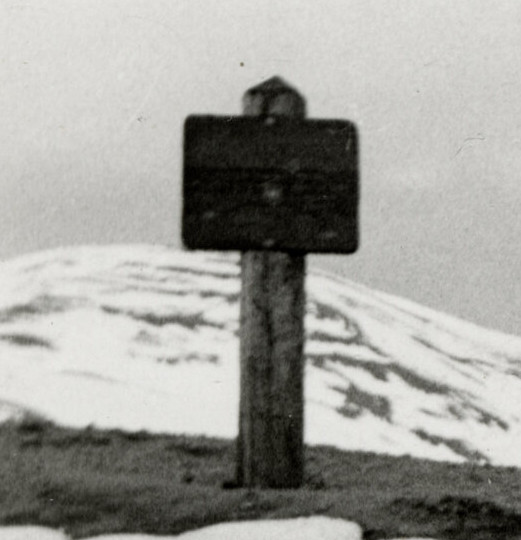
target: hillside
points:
(145, 338)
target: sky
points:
(94, 94)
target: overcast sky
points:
(93, 95)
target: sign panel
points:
(283, 184)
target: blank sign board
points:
(253, 183)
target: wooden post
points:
(270, 448)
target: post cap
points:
(274, 97)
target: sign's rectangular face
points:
(253, 183)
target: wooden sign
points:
(275, 187)
(278, 183)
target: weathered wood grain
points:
(270, 446)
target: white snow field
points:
(145, 338)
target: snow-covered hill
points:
(143, 337)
